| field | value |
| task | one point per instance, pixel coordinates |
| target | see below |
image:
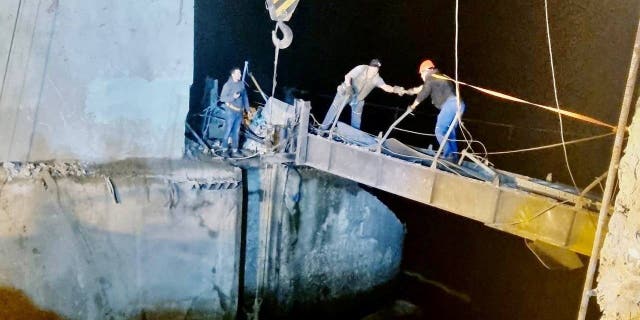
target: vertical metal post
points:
(268, 186)
(335, 121)
(303, 107)
(611, 175)
(244, 70)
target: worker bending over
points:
(358, 83)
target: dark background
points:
(502, 46)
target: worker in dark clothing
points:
(234, 96)
(357, 84)
(444, 98)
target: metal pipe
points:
(202, 142)
(264, 96)
(244, 70)
(611, 176)
(593, 184)
(393, 126)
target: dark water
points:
(498, 273)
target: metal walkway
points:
(541, 213)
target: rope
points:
(433, 135)
(554, 145)
(315, 121)
(555, 94)
(458, 115)
(463, 128)
(511, 98)
(417, 133)
(511, 126)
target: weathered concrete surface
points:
(322, 244)
(94, 80)
(157, 239)
(618, 286)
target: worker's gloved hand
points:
(344, 89)
(399, 90)
(412, 91)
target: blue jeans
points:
(445, 118)
(339, 102)
(233, 119)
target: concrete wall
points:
(618, 286)
(155, 239)
(94, 80)
(161, 239)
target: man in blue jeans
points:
(444, 98)
(234, 96)
(357, 85)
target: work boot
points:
(223, 153)
(235, 153)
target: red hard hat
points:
(426, 64)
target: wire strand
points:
(552, 145)
(555, 95)
(433, 135)
(527, 220)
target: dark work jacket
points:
(232, 87)
(438, 89)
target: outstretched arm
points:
(390, 89)
(413, 91)
(395, 89)
(423, 92)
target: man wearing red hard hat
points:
(444, 99)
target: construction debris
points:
(55, 168)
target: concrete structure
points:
(162, 239)
(94, 80)
(316, 244)
(122, 240)
(618, 285)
